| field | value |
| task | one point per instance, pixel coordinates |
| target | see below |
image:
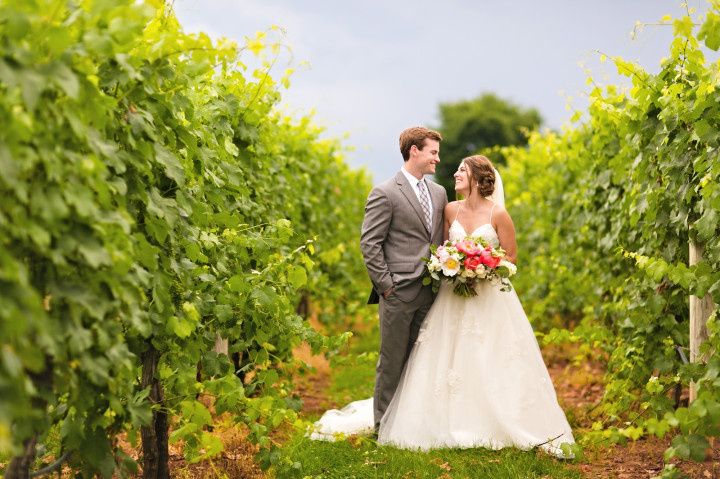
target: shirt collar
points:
(411, 179)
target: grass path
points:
(351, 377)
(579, 386)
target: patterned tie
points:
(425, 203)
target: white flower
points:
(507, 264)
(434, 264)
(451, 266)
(468, 273)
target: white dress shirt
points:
(413, 183)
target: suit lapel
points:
(437, 199)
(407, 191)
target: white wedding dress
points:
(475, 378)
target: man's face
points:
(427, 157)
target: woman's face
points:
(462, 179)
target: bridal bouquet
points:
(465, 263)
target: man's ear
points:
(414, 147)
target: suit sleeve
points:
(378, 215)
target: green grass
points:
(362, 458)
(353, 374)
(359, 457)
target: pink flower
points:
(472, 262)
(468, 246)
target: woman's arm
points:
(449, 212)
(506, 233)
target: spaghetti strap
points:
(458, 211)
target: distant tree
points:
(475, 126)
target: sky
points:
(370, 69)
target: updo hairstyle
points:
(482, 174)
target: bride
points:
(475, 377)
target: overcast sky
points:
(376, 67)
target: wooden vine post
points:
(221, 345)
(700, 311)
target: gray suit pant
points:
(399, 327)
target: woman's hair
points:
(482, 174)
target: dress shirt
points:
(413, 183)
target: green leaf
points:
(161, 207)
(223, 312)
(211, 445)
(195, 412)
(710, 31)
(707, 225)
(683, 26)
(191, 311)
(181, 327)
(95, 254)
(97, 451)
(9, 167)
(18, 25)
(238, 283)
(297, 277)
(691, 446)
(264, 296)
(146, 253)
(65, 78)
(32, 84)
(12, 363)
(658, 428)
(173, 168)
(158, 228)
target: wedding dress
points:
(475, 378)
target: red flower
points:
(488, 259)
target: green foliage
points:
(475, 126)
(151, 194)
(605, 211)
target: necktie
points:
(425, 203)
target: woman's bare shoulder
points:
(452, 207)
(500, 214)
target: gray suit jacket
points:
(394, 237)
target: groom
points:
(403, 216)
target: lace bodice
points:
(486, 231)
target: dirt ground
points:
(579, 387)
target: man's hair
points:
(416, 136)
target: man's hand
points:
(388, 292)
